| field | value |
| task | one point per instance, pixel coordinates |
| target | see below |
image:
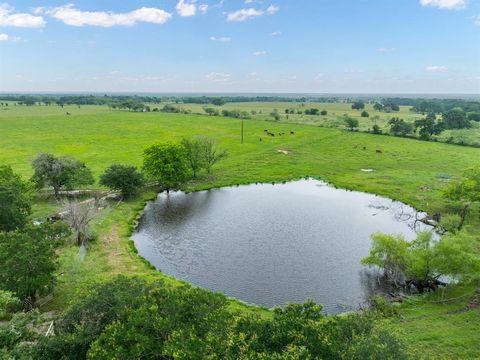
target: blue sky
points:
(306, 46)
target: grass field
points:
(408, 170)
(333, 119)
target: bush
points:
(8, 304)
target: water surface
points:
(272, 244)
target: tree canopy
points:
(124, 178)
(15, 200)
(60, 172)
(167, 164)
(29, 260)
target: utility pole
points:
(241, 141)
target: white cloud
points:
(276, 33)
(248, 1)
(186, 8)
(203, 8)
(244, 14)
(476, 20)
(260, 53)
(272, 9)
(6, 37)
(8, 17)
(220, 38)
(217, 77)
(437, 68)
(386, 50)
(74, 17)
(445, 4)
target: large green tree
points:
(60, 172)
(15, 200)
(124, 178)
(456, 119)
(428, 126)
(167, 164)
(29, 260)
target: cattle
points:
(68, 113)
(292, 132)
(379, 151)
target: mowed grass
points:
(408, 170)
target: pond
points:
(272, 244)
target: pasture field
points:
(412, 171)
(333, 119)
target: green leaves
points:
(15, 200)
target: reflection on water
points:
(272, 244)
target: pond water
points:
(272, 244)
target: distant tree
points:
(211, 111)
(474, 116)
(376, 130)
(275, 115)
(123, 178)
(456, 119)
(62, 172)
(399, 127)
(350, 123)
(324, 112)
(29, 260)
(210, 152)
(312, 111)
(365, 114)
(428, 127)
(377, 107)
(195, 155)
(358, 105)
(15, 200)
(167, 164)
(218, 102)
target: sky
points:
(240, 46)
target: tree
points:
(275, 115)
(79, 216)
(29, 260)
(423, 261)
(218, 102)
(428, 127)
(211, 111)
(399, 127)
(350, 123)
(456, 119)
(358, 105)
(62, 172)
(123, 178)
(389, 253)
(377, 107)
(211, 153)
(465, 191)
(376, 130)
(474, 116)
(15, 200)
(167, 164)
(194, 153)
(324, 112)
(365, 114)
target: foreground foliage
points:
(131, 318)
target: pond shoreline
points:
(308, 180)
